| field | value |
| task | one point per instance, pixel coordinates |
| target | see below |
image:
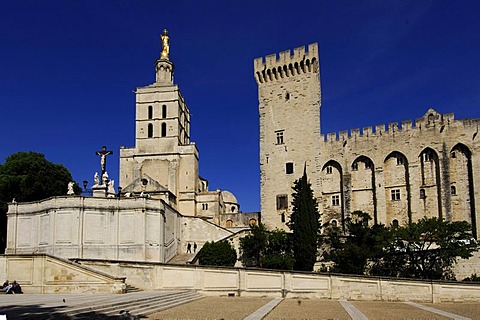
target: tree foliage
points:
(426, 249)
(267, 249)
(220, 253)
(305, 225)
(352, 253)
(28, 176)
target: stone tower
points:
(289, 106)
(163, 163)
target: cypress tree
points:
(305, 225)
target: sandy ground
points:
(308, 309)
(227, 308)
(214, 308)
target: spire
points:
(163, 66)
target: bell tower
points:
(163, 159)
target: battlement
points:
(286, 64)
(431, 119)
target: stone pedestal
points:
(100, 191)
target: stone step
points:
(144, 306)
(131, 289)
(146, 310)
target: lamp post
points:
(85, 183)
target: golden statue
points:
(165, 45)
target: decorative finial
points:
(165, 45)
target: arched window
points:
(150, 130)
(395, 223)
(453, 190)
(334, 223)
(252, 222)
(164, 129)
(229, 223)
(232, 209)
(422, 193)
(150, 112)
(164, 111)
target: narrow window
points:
(164, 129)
(395, 223)
(427, 156)
(399, 161)
(422, 193)
(282, 217)
(279, 137)
(453, 154)
(395, 194)
(289, 168)
(150, 112)
(282, 202)
(232, 208)
(287, 96)
(204, 206)
(453, 190)
(329, 170)
(334, 223)
(368, 165)
(164, 111)
(355, 166)
(335, 200)
(150, 130)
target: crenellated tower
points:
(289, 105)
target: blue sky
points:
(68, 70)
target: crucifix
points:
(103, 158)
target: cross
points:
(103, 158)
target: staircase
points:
(131, 289)
(182, 258)
(137, 305)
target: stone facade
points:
(164, 162)
(396, 173)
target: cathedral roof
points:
(229, 197)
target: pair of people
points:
(11, 288)
(189, 247)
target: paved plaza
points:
(56, 306)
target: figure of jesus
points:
(165, 45)
(103, 158)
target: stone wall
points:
(47, 274)
(396, 173)
(102, 228)
(258, 282)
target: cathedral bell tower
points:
(164, 159)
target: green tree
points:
(28, 176)
(305, 225)
(220, 253)
(428, 248)
(266, 249)
(352, 252)
(252, 246)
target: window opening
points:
(150, 112)
(453, 190)
(282, 202)
(334, 223)
(164, 129)
(355, 166)
(336, 200)
(279, 137)
(150, 130)
(164, 111)
(395, 223)
(422, 194)
(289, 168)
(399, 161)
(329, 170)
(395, 194)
